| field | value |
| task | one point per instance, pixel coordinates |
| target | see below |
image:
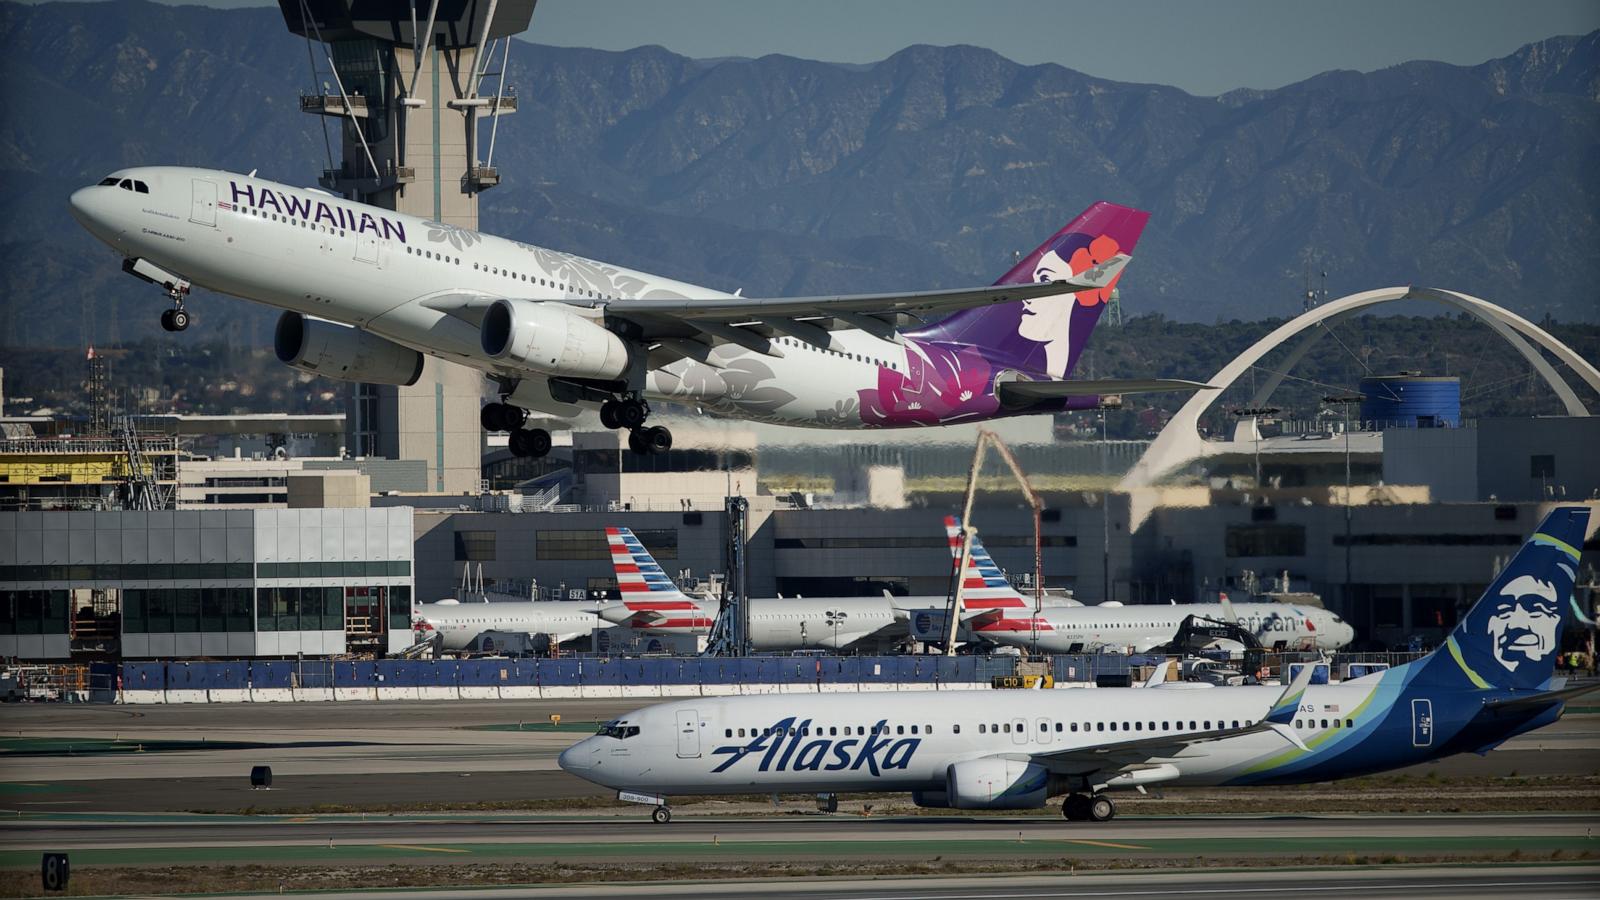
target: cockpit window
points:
(618, 730)
(141, 187)
(104, 182)
(126, 184)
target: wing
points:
(752, 322)
(1139, 752)
(1025, 392)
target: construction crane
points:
(987, 438)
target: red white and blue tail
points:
(985, 587)
(650, 601)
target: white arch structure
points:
(1180, 443)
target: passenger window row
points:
(829, 731)
(858, 357)
(534, 279)
(429, 254)
(288, 220)
(1312, 723)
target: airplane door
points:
(366, 249)
(203, 204)
(1422, 723)
(688, 734)
(1044, 730)
(1019, 731)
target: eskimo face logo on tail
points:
(791, 747)
(1524, 621)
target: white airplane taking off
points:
(1492, 680)
(368, 293)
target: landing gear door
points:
(203, 205)
(688, 734)
(1422, 723)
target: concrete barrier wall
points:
(522, 692)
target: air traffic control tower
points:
(404, 84)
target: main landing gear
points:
(1088, 808)
(630, 413)
(661, 815)
(531, 442)
(177, 318)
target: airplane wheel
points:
(657, 439)
(166, 320)
(534, 442)
(180, 319)
(490, 417)
(631, 414)
(608, 414)
(661, 815)
(1075, 808)
(636, 442)
(1101, 809)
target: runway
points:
(466, 839)
(1401, 885)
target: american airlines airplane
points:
(1141, 627)
(651, 603)
(368, 293)
(1492, 680)
(457, 624)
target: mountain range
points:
(777, 175)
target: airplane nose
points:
(576, 758)
(79, 202)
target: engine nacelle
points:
(552, 339)
(342, 352)
(997, 783)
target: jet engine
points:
(551, 339)
(997, 783)
(343, 352)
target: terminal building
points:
(140, 584)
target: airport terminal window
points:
(1429, 540)
(158, 611)
(1265, 540)
(475, 546)
(33, 612)
(590, 543)
(400, 608)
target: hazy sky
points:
(1203, 46)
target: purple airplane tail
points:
(1047, 335)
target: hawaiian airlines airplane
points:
(1492, 680)
(652, 604)
(457, 624)
(368, 293)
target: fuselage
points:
(457, 624)
(407, 280)
(907, 741)
(1089, 629)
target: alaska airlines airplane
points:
(368, 293)
(1492, 680)
(652, 604)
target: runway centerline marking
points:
(1104, 844)
(427, 849)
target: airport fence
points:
(405, 679)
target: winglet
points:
(1159, 676)
(1287, 732)
(1282, 712)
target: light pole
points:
(1254, 414)
(1344, 401)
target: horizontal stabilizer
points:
(1023, 392)
(1525, 702)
